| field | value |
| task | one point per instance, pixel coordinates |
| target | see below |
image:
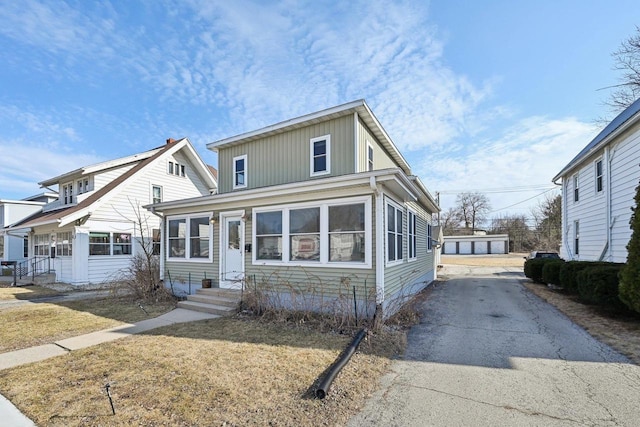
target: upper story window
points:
(598, 176)
(576, 188)
(176, 169)
(369, 157)
(156, 194)
(83, 185)
(240, 171)
(67, 194)
(394, 233)
(320, 155)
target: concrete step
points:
(207, 308)
(223, 292)
(214, 299)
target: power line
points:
(523, 188)
(525, 200)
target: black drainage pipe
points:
(341, 361)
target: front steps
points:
(42, 279)
(223, 302)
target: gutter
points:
(162, 246)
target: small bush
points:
(551, 272)
(569, 273)
(599, 285)
(533, 268)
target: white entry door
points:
(232, 252)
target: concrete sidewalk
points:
(10, 413)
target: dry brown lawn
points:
(40, 323)
(24, 293)
(229, 372)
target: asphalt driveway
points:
(489, 353)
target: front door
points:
(232, 265)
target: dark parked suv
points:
(543, 254)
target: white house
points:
(88, 235)
(477, 244)
(598, 189)
(14, 247)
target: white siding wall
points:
(591, 209)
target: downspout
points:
(379, 241)
(606, 251)
(153, 211)
(610, 220)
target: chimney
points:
(170, 140)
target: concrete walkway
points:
(12, 417)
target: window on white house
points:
(369, 157)
(576, 237)
(67, 193)
(83, 186)
(104, 243)
(347, 233)
(64, 244)
(394, 233)
(25, 247)
(190, 237)
(269, 235)
(41, 245)
(599, 176)
(304, 234)
(182, 170)
(156, 194)
(429, 238)
(576, 189)
(171, 168)
(320, 155)
(318, 233)
(240, 171)
(155, 241)
(411, 235)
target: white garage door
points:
(497, 246)
(480, 247)
(465, 248)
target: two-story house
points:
(94, 228)
(598, 189)
(318, 204)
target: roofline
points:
(359, 106)
(363, 178)
(21, 202)
(618, 125)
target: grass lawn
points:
(227, 371)
(25, 293)
(40, 323)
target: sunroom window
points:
(190, 237)
(346, 233)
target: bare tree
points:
(449, 221)
(521, 236)
(548, 217)
(473, 209)
(627, 62)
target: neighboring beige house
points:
(598, 189)
(91, 232)
(319, 204)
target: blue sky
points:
(491, 96)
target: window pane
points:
(304, 221)
(234, 234)
(346, 247)
(121, 244)
(319, 148)
(199, 248)
(391, 246)
(178, 228)
(320, 164)
(199, 227)
(346, 218)
(399, 222)
(269, 247)
(391, 218)
(399, 246)
(240, 165)
(269, 223)
(305, 247)
(177, 248)
(240, 178)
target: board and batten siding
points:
(381, 159)
(285, 157)
(403, 279)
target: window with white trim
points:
(155, 241)
(411, 235)
(156, 194)
(64, 244)
(25, 247)
(576, 188)
(320, 159)
(576, 237)
(67, 194)
(190, 237)
(176, 169)
(107, 243)
(41, 245)
(83, 186)
(369, 157)
(394, 233)
(240, 171)
(321, 233)
(429, 238)
(599, 176)
(171, 168)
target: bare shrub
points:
(141, 280)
